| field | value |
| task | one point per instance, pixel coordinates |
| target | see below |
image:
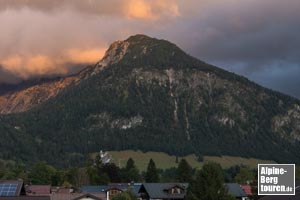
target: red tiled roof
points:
(247, 189)
(38, 190)
(63, 190)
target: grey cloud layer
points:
(255, 38)
(88, 6)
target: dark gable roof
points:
(135, 187)
(19, 183)
(94, 188)
(120, 188)
(235, 189)
(158, 190)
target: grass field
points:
(163, 160)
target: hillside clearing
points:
(164, 161)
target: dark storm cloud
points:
(7, 77)
(252, 38)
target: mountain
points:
(148, 94)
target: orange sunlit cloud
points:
(84, 56)
(139, 9)
(74, 34)
(25, 66)
(151, 10)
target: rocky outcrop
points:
(28, 98)
(287, 125)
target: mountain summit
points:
(141, 50)
(148, 94)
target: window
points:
(114, 192)
(176, 190)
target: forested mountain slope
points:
(148, 94)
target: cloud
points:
(47, 37)
(252, 38)
(240, 30)
(152, 10)
(25, 67)
(141, 9)
(34, 43)
(249, 37)
(7, 77)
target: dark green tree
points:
(14, 172)
(127, 195)
(42, 173)
(130, 172)
(169, 175)
(151, 173)
(231, 173)
(122, 196)
(96, 177)
(95, 172)
(184, 172)
(112, 171)
(130, 164)
(77, 176)
(297, 172)
(245, 176)
(103, 173)
(209, 184)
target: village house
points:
(163, 191)
(237, 191)
(15, 190)
(110, 190)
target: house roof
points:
(26, 198)
(93, 189)
(90, 196)
(10, 187)
(121, 188)
(38, 189)
(247, 189)
(235, 190)
(135, 187)
(158, 190)
(72, 196)
(64, 190)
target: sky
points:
(259, 39)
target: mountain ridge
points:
(156, 98)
